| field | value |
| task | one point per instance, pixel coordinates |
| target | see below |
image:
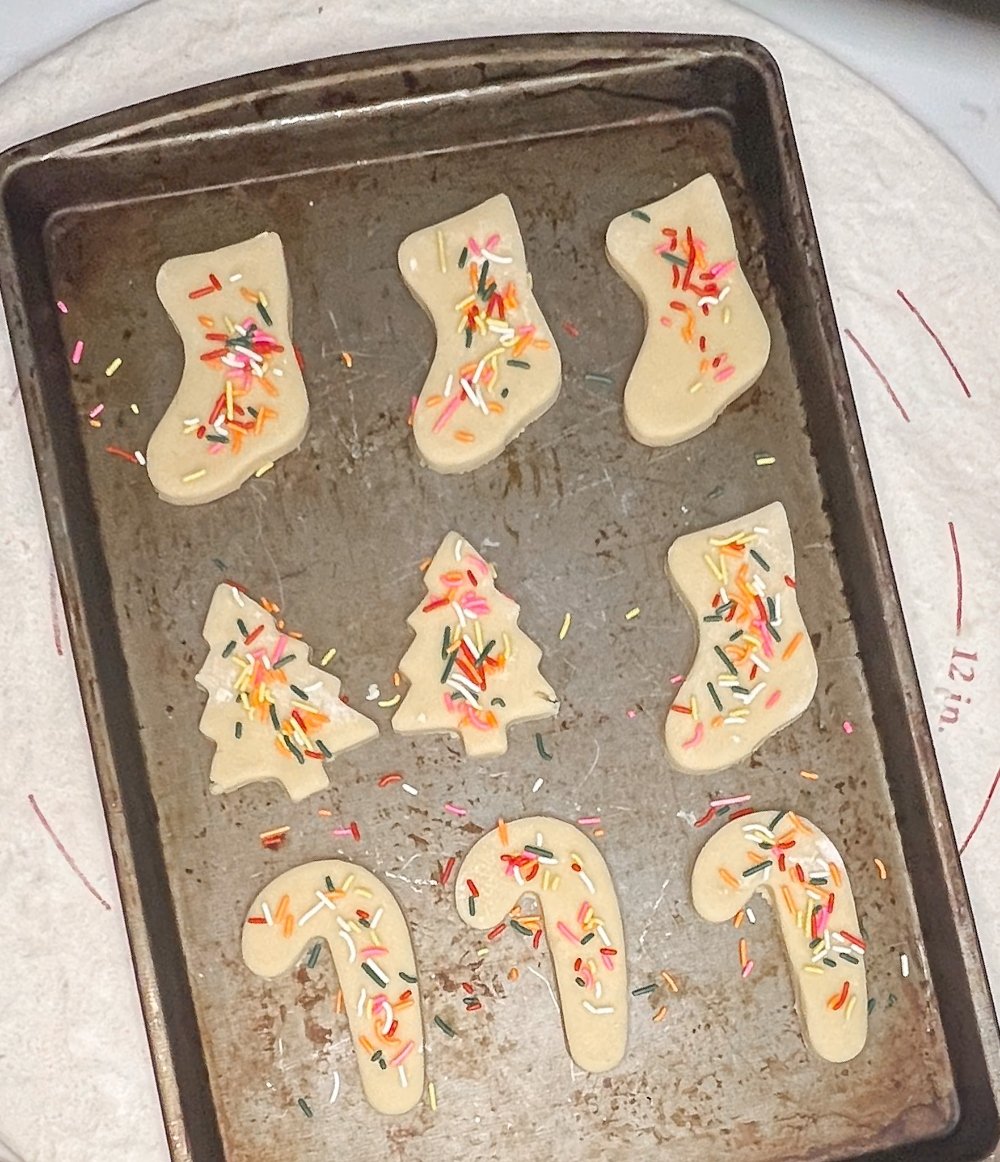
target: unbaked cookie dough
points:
(706, 339)
(792, 861)
(496, 367)
(271, 715)
(358, 918)
(472, 671)
(241, 403)
(754, 671)
(559, 865)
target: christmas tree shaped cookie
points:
(706, 339)
(271, 715)
(754, 671)
(496, 367)
(241, 403)
(471, 670)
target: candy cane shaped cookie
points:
(790, 859)
(558, 864)
(358, 917)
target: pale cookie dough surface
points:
(496, 367)
(241, 403)
(706, 339)
(789, 859)
(356, 915)
(560, 866)
(271, 714)
(755, 670)
(472, 671)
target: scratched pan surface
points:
(343, 158)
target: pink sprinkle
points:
(676, 679)
(848, 727)
(413, 404)
(666, 322)
(460, 811)
(339, 831)
(630, 713)
(747, 969)
(730, 801)
(772, 699)
(567, 933)
(722, 268)
(474, 247)
(96, 411)
(77, 352)
(581, 914)
(402, 1055)
(373, 950)
(699, 734)
(609, 963)
(492, 242)
(62, 307)
(725, 373)
(590, 821)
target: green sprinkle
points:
(444, 1027)
(298, 692)
(219, 564)
(324, 749)
(304, 1107)
(264, 315)
(771, 609)
(587, 939)
(376, 1056)
(241, 625)
(715, 697)
(760, 560)
(520, 928)
(472, 905)
(716, 492)
(449, 665)
(752, 871)
(463, 258)
(382, 1064)
(294, 749)
(829, 962)
(726, 661)
(490, 291)
(214, 438)
(229, 649)
(816, 942)
(580, 981)
(739, 690)
(483, 272)
(329, 885)
(850, 960)
(445, 642)
(646, 988)
(239, 729)
(541, 748)
(773, 632)
(274, 717)
(504, 393)
(604, 380)
(314, 955)
(518, 363)
(713, 617)
(252, 411)
(540, 852)
(890, 1000)
(674, 258)
(468, 338)
(776, 820)
(283, 661)
(871, 1005)
(734, 636)
(725, 608)
(409, 979)
(482, 657)
(497, 702)
(641, 216)
(376, 977)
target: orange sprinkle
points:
(513, 974)
(432, 401)
(792, 646)
(282, 909)
(464, 437)
(743, 953)
(669, 981)
(502, 832)
(786, 895)
(837, 1001)
(339, 1005)
(738, 918)
(835, 875)
(347, 358)
(249, 295)
(206, 320)
(660, 1013)
(728, 878)
(324, 812)
(809, 775)
(288, 927)
(495, 408)
(880, 867)
(366, 1044)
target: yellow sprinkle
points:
(432, 1096)
(880, 866)
(440, 238)
(669, 981)
(565, 626)
(813, 968)
(192, 476)
(809, 775)
(134, 408)
(727, 314)
(112, 367)
(264, 468)
(850, 1008)
(262, 299)
(347, 358)
(762, 460)
(481, 952)
(632, 614)
(385, 703)
(229, 399)
(328, 656)
(715, 568)
(695, 387)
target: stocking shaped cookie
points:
(472, 670)
(496, 367)
(791, 860)
(754, 671)
(241, 403)
(357, 917)
(559, 865)
(271, 715)
(706, 339)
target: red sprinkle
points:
(253, 634)
(215, 282)
(256, 920)
(392, 777)
(473, 890)
(447, 870)
(495, 932)
(537, 938)
(468, 987)
(356, 831)
(789, 582)
(121, 452)
(571, 330)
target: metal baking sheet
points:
(344, 157)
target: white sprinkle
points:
(904, 964)
(538, 782)
(313, 911)
(350, 945)
(336, 1087)
(750, 916)
(495, 257)
(325, 900)
(402, 1077)
(410, 790)
(449, 386)
(373, 693)
(373, 922)
(140, 457)
(236, 278)
(597, 1011)
(267, 912)
(237, 597)
(759, 664)
(361, 1002)
(459, 548)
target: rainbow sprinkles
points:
(496, 367)
(754, 671)
(241, 403)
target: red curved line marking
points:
(958, 577)
(879, 372)
(941, 347)
(982, 812)
(66, 855)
